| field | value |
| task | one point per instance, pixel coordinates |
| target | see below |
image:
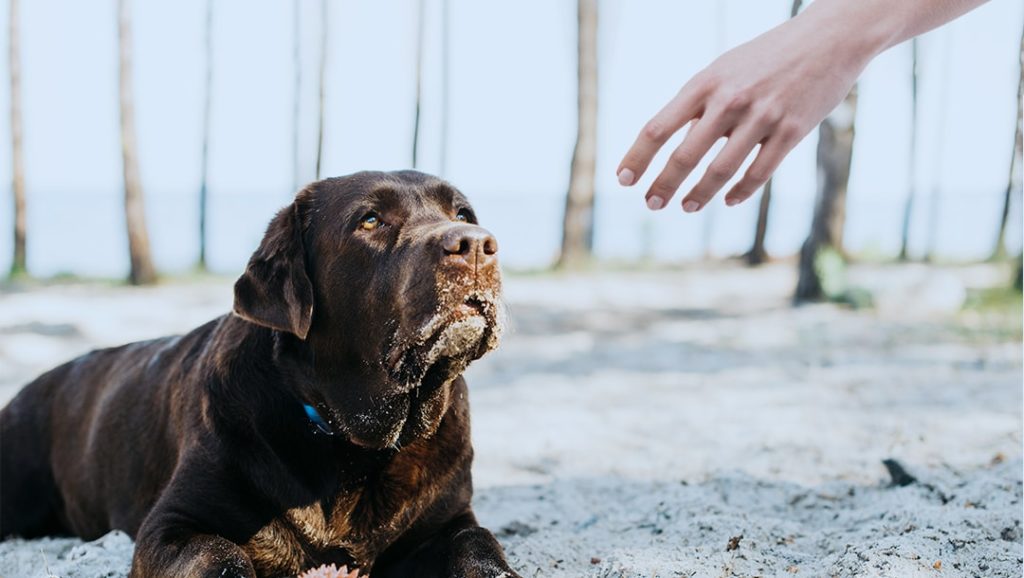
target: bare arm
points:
(772, 91)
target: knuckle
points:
(655, 131)
(719, 172)
(661, 188)
(788, 130)
(739, 101)
(771, 115)
(682, 160)
(757, 175)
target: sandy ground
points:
(680, 423)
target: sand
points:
(680, 423)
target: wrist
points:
(854, 31)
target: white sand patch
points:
(109, 556)
(636, 424)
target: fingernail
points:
(691, 206)
(732, 202)
(655, 203)
(626, 177)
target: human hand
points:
(770, 92)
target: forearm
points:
(869, 27)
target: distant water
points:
(83, 233)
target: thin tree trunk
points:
(709, 212)
(908, 210)
(835, 153)
(204, 169)
(420, 18)
(757, 253)
(1013, 183)
(323, 72)
(940, 153)
(296, 89)
(578, 225)
(19, 263)
(142, 270)
(446, 65)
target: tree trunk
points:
(446, 63)
(757, 253)
(142, 270)
(578, 225)
(420, 19)
(19, 263)
(204, 170)
(296, 90)
(908, 209)
(1013, 183)
(940, 153)
(835, 152)
(323, 72)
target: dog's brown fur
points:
(366, 299)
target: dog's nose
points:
(471, 246)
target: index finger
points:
(683, 108)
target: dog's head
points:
(392, 286)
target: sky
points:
(510, 129)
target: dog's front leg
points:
(181, 537)
(170, 552)
(462, 549)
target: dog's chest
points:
(306, 535)
(354, 529)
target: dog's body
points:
(325, 421)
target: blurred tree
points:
(908, 209)
(825, 241)
(142, 270)
(721, 44)
(445, 84)
(578, 224)
(323, 70)
(296, 89)
(757, 253)
(942, 133)
(204, 166)
(1013, 184)
(420, 19)
(19, 264)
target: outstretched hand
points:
(771, 92)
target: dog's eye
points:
(463, 215)
(369, 222)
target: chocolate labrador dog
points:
(324, 421)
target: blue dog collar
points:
(317, 420)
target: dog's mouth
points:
(419, 370)
(422, 368)
(463, 333)
(470, 307)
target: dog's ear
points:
(275, 290)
